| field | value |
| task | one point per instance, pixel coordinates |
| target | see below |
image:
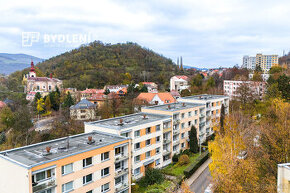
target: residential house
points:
(121, 90)
(151, 87)
(91, 163)
(283, 180)
(179, 83)
(84, 110)
(175, 94)
(154, 98)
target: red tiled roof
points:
(164, 96)
(43, 79)
(174, 93)
(2, 104)
(182, 77)
(93, 91)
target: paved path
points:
(200, 179)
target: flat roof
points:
(174, 106)
(205, 97)
(128, 121)
(36, 154)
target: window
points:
(175, 148)
(175, 137)
(157, 162)
(67, 169)
(67, 187)
(182, 135)
(83, 116)
(157, 139)
(195, 112)
(41, 176)
(49, 87)
(137, 171)
(119, 180)
(182, 125)
(91, 191)
(105, 156)
(137, 158)
(158, 150)
(105, 172)
(105, 187)
(182, 115)
(87, 178)
(157, 127)
(125, 134)
(137, 133)
(148, 154)
(148, 130)
(195, 121)
(37, 87)
(182, 145)
(189, 114)
(189, 123)
(83, 111)
(148, 142)
(119, 150)
(137, 145)
(43, 87)
(87, 162)
(119, 165)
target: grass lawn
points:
(156, 188)
(176, 169)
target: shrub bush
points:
(152, 176)
(175, 158)
(193, 167)
(183, 160)
(187, 152)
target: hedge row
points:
(193, 167)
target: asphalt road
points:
(200, 184)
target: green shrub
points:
(175, 158)
(183, 160)
(187, 152)
(152, 176)
(193, 167)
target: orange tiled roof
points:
(182, 77)
(164, 96)
(2, 104)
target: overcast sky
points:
(206, 33)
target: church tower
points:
(32, 70)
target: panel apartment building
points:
(183, 116)
(88, 163)
(212, 111)
(147, 132)
(265, 61)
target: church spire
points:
(32, 67)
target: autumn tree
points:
(7, 117)
(47, 104)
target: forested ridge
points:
(98, 64)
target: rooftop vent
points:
(48, 148)
(183, 104)
(90, 140)
(100, 140)
(168, 106)
(144, 116)
(121, 122)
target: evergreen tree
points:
(193, 143)
(181, 64)
(47, 103)
(68, 101)
(37, 97)
(222, 119)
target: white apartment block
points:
(210, 114)
(179, 83)
(147, 134)
(231, 87)
(184, 116)
(265, 61)
(283, 180)
(90, 163)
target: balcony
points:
(176, 122)
(166, 130)
(165, 152)
(176, 142)
(121, 172)
(202, 115)
(202, 124)
(44, 185)
(176, 131)
(165, 141)
(121, 157)
(121, 187)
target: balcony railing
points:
(121, 156)
(176, 131)
(165, 141)
(202, 124)
(44, 185)
(121, 172)
(121, 187)
(176, 122)
(166, 152)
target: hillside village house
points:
(43, 85)
(85, 94)
(84, 163)
(154, 98)
(151, 87)
(179, 83)
(101, 99)
(84, 110)
(121, 90)
(175, 94)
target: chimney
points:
(183, 104)
(144, 116)
(48, 149)
(121, 122)
(168, 106)
(90, 138)
(50, 75)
